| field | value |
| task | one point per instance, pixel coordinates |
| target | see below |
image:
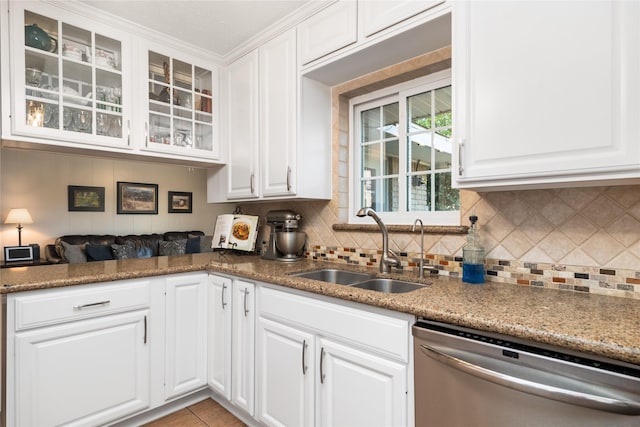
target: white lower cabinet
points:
(325, 364)
(77, 356)
(286, 374)
(243, 346)
(357, 388)
(185, 334)
(220, 335)
(232, 340)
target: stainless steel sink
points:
(331, 275)
(388, 286)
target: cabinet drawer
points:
(388, 335)
(54, 306)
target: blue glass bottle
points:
(473, 256)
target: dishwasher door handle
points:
(572, 397)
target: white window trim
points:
(422, 84)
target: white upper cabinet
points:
(279, 126)
(242, 170)
(70, 78)
(546, 93)
(82, 82)
(377, 15)
(278, 113)
(349, 38)
(181, 104)
(328, 30)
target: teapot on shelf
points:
(38, 38)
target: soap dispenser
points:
(473, 256)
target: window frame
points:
(397, 93)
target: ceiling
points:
(218, 26)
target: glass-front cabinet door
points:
(182, 99)
(68, 78)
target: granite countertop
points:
(596, 324)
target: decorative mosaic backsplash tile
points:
(614, 282)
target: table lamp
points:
(19, 216)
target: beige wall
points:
(38, 181)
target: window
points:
(401, 153)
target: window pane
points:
(443, 106)
(380, 194)
(447, 198)
(442, 152)
(419, 152)
(371, 125)
(419, 193)
(368, 193)
(391, 117)
(391, 166)
(371, 160)
(419, 112)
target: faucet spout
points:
(389, 258)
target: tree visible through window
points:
(402, 150)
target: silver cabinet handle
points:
(572, 397)
(460, 146)
(91, 304)
(321, 365)
(246, 310)
(289, 178)
(304, 349)
(129, 133)
(224, 288)
(251, 183)
(146, 134)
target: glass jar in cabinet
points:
(181, 99)
(68, 78)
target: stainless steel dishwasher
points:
(465, 377)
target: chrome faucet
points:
(421, 274)
(389, 258)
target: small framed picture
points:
(137, 198)
(85, 199)
(180, 202)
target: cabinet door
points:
(182, 98)
(359, 389)
(376, 15)
(278, 112)
(71, 77)
(220, 335)
(243, 345)
(89, 372)
(285, 375)
(328, 30)
(545, 92)
(242, 168)
(185, 334)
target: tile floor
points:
(207, 413)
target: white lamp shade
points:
(18, 216)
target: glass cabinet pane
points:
(71, 73)
(180, 104)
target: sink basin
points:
(388, 286)
(339, 277)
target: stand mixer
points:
(285, 241)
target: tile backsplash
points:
(579, 239)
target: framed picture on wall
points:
(180, 202)
(85, 199)
(137, 198)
